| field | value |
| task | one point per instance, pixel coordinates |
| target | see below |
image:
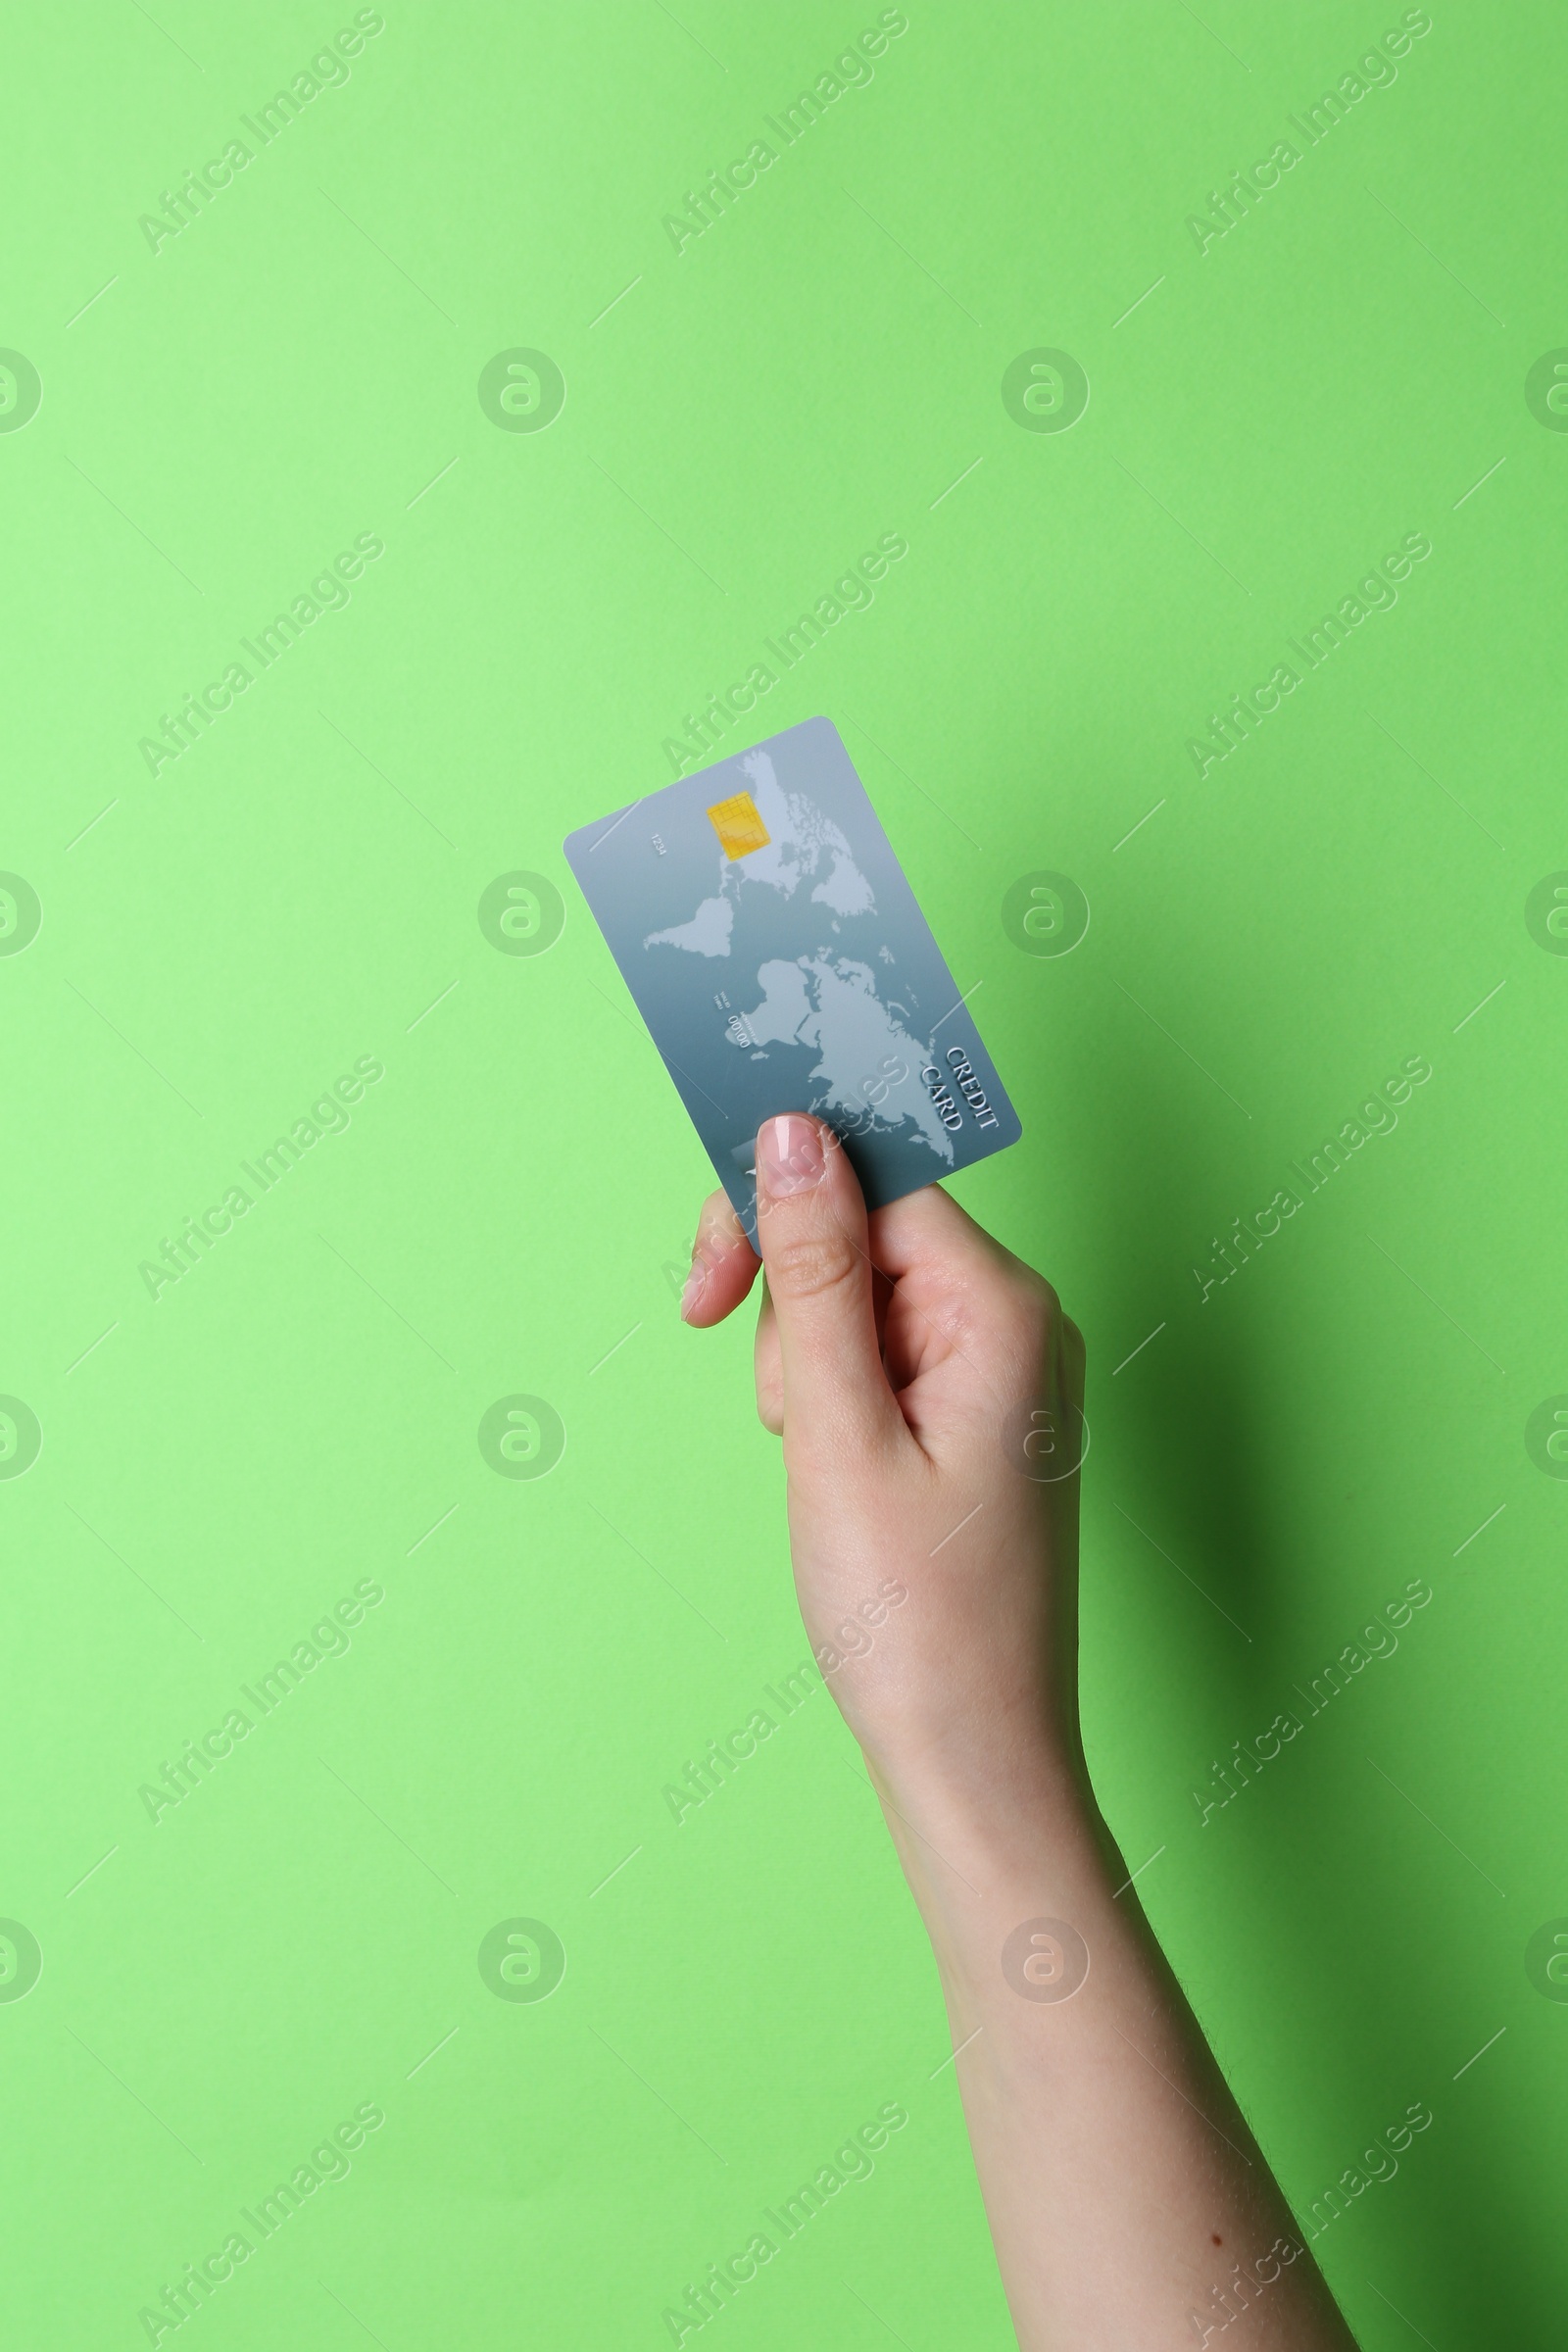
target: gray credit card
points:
(781, 962)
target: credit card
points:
(778, 955)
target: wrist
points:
(982, 1832)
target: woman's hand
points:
(929, 1395)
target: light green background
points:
(218, 942)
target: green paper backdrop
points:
(270, 1453)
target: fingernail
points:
(788, 1156)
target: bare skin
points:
(928, 1391)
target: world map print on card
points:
(779, 958)
(831, 1006)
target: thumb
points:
(811, 1234)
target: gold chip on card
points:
(739, 828)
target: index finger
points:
(724, 1265)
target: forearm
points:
(1125, 2193)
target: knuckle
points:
(1043, 1295)
(811, 1265)
(1032, 1306)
